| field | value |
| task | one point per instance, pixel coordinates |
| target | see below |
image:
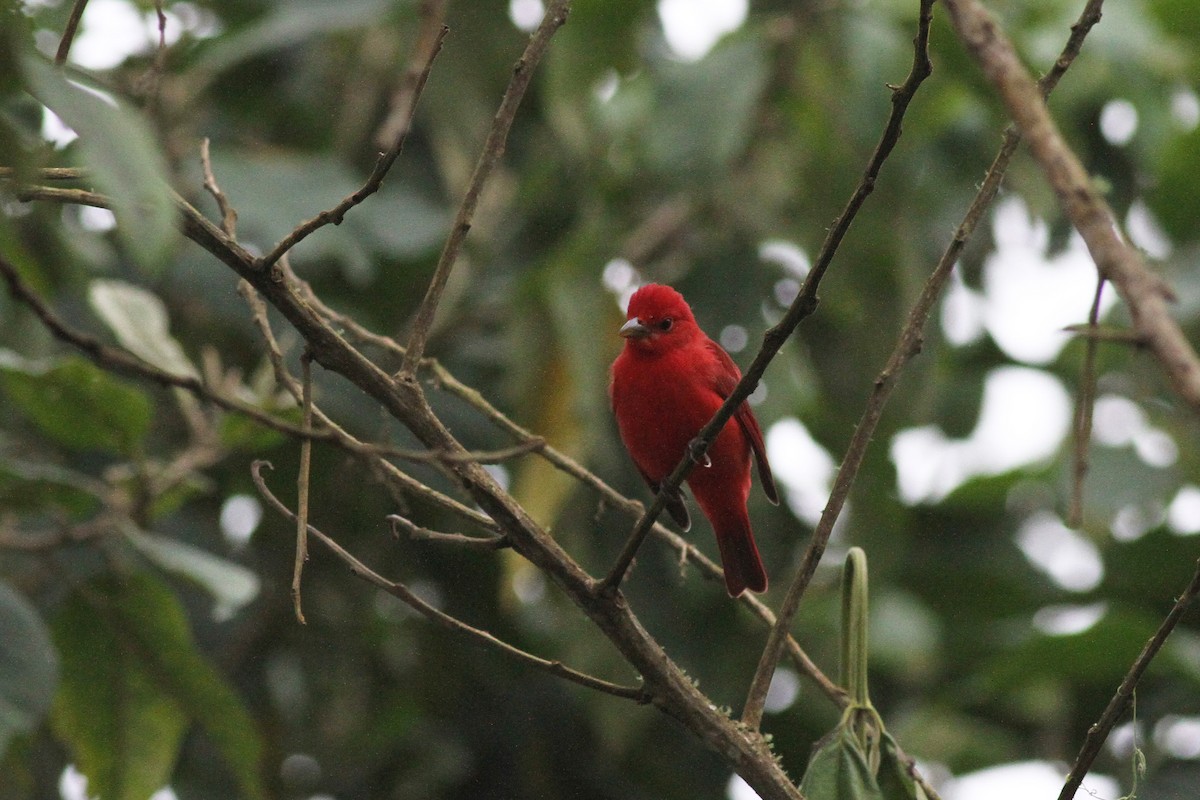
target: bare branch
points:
(399, 120)
(493, 149)
(80, 197)
(68, 37)
(302, 483)
(399, 590)
(50, 173)
(1098, 733)
(1084, 405)
(417, 533)
(429, 44)
(228, 213)
(1143, 291)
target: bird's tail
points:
(739, 556)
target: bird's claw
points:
(697, 454)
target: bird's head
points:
(658, 319)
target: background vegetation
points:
(146, 616)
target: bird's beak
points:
(634, 329)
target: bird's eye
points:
(665, 325)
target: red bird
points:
(668, 381)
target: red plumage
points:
(668, 381)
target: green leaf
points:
(123, 730)
(139, 321)
(76, 403)
(840, 769)
(231, 585)
(133, 681)
(895, 780)
(123, 155)
(28, 666)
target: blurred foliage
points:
(131, 614)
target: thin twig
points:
(1084, 406)
(399, 119)
(68, 37)
(79, 197)
(50, 173)
(1098, 733)
(228, 213)
(1107, 333)
(302, 484)
(399, 590)
(804, 305)
(493, 149)
(1144, 292)
(531, 444)
(420, 534)
(907, 346)
(497, 456)
(384, 163)
(151, 81)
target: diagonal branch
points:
(493, 148)
(228, 212)
(420, 534)
(803, 306)
(1084, 407)
(399, 590)
(1098, 733)
(68, 37)
(1143, 291)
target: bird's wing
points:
(727, 378)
